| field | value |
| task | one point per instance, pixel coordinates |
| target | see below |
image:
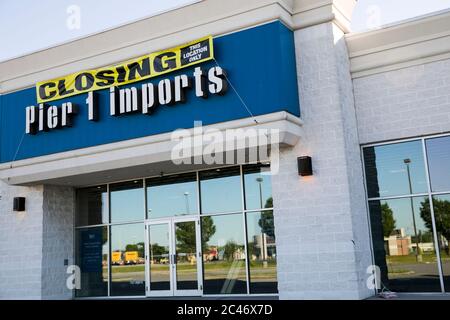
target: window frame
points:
(430, 194)
(243, 212)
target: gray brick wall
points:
(58, 224)
(20, 243)
(404, 103)
(34, 243)
(321, 221)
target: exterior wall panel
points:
(404, 103)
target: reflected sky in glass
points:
(159, 234)
(174, 197)
(256, 198)
(224, 254)
(438, 151)
(221, 191)
(123, 235)
(403, 214)
(442, 214)
(228, 228)
(391, 177)
(127, 201)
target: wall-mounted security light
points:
(304, 166)
(19, 204)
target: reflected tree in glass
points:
(442, 214)
(159, 244)
(186, 255)
(223, 254)
(127, 260)
(258, 186)
(403, 244)
(261, 252)
(208, 230)
(388, 221)
(267, 224)
(441, 205)
(186, 238)
(230, 250)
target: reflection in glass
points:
(404, 245)
(438, 151)
(172, 196)
(387, 169)
(223, 244)
(258, 187)
(127, 260)
(262, 252)
(127, 201)
(92, 206)
(92, 258)
(441, 207)
(159, 248)
(223, 254)
(221, 190)
(186, 256)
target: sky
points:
(29, 25)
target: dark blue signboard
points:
(261, 68)
(91, 243)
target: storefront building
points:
(99, 198)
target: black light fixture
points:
(19, 204)
(305, 166)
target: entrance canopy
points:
(153, 155)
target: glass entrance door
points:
(173, 257)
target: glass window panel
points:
(441, 205)
(387, 169)
(127, 260)
(92, 206)
(258, 187)
(127, 201)
(186, 256)
(438, 151)
(223, 254)
(403, 244)
(172, 196)
(159, 249)
(221, 190)
(262, 252)
(92, 258)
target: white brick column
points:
(322, 233)
(35, 243)
(20, 243)
(58, 241)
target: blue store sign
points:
(257, 65)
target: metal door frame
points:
(173, 291)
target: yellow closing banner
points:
(144, 67)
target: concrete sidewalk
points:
(417, 296)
